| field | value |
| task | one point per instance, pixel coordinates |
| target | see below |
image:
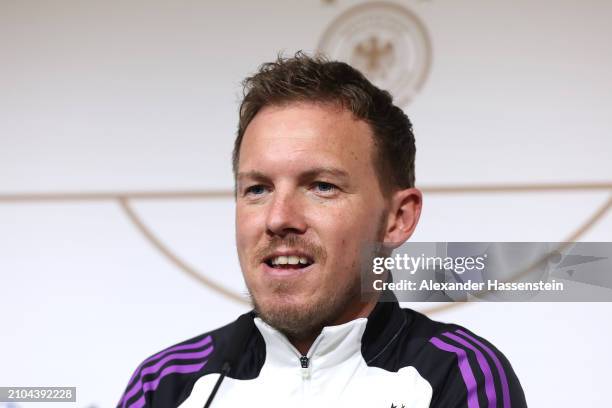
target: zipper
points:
(305, 364)
(304, 361)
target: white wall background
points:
(143, 95)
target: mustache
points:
(294, 242)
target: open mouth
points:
(289, 262)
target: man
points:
(324, 168)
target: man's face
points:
(308, 204)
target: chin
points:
(289, 313)
(279, 302)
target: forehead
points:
(292, 136)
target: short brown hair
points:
(303, 78)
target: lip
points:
(288, 252)
(285, 272)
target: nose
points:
(285, 214)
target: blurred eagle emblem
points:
(385, 41)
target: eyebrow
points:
(325, 171)
(253, 174)
(309, 174)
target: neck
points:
(355, 311)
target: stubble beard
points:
(304, 320)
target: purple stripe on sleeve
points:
(191, 346)
(176, 356)
(152, 385)
(484, 366)
(154, 368)
(464, 368)
(498, 364)
(139, 403)
(179, 369)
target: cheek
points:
(346, 239)
(246, 231)
(343, 240)
(348, 225)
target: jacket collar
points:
(370, 336)
(334, 345)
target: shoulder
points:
(465, 370)
(163, 378)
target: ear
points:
(403, 216)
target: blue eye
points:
(325, 187)
(256, 189)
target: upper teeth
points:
(290, 260)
